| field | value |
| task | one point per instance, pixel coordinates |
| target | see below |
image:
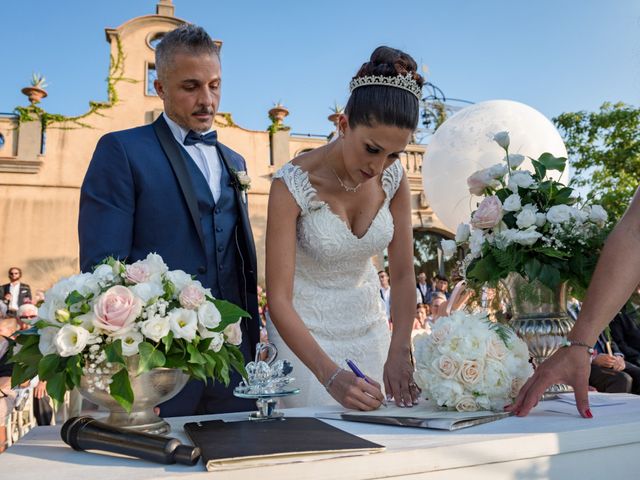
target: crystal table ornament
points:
(266, 380)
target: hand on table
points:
(568, 365)
(398, 379)
(355, 393)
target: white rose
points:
(496, 348)
(104, 274)
(515, 160)
(209, 316)
(147, 291)
(192, 295)
(580, 216)
(138, 272)
(466, 404)
(55, 297)
(130, 342)
(184, 323)
(527, 217)
(446, 366)
(598, 215)
(520, 179)
(233, 333)
(512, 203)
(559, 214)
(528, 237)
(476, 241)
(217, 340)
(243, 178)
(502, 139)
(541, 219)
(156, 267)
(497, 171)
(463, 232)
(449, 248)
(470, 372)
(155, 328)
(71, 340)
(179, 279)
(46, 344)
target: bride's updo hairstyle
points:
(372, 105)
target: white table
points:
(546, 444)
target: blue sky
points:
(554, 55)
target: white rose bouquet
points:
(529, 224)
(468, 363)
(92, 322)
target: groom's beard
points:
(204, 111)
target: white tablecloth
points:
(552, 442)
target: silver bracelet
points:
(328, 383)
(571, 343)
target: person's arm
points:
(619, 336)
(615, 278)
(107, 205)
(346, 388)
(398, 369)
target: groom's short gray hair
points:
(187, 38)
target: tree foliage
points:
(604, 151)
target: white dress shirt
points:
(204, 156)
(14, 289)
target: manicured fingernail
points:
(588, 413)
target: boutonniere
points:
(241, 179)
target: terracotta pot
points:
(35, 94)
(278, 113)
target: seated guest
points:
(609, 371)
(625, 331)
(27, 315)
(438, 305)
(8, 326)
(441, 286)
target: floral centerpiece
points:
(96, 323)
(468, 363)
(530, 224)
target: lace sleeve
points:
(391, 178)
(297, 181)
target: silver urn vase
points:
(149, 389)
(540, 318)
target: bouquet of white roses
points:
(528, 224)
(91, 323)
(468, 363)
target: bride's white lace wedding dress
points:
(336, 290)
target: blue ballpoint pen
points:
(358, 373)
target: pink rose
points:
(116, 310)
(137, 272)
(192, 296)
(488, 214)
(233, 333)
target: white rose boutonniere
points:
(242, 180)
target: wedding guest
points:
(385, 292)
(8, 327)
(172, 188)
(616, 276)
(27, 315)
(438, 300)
(441, 285)
(423, 287)
(15, 293)
(625, 331)
(610, 372)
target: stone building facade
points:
(41, 171)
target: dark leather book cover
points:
(226, 445)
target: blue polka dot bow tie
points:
(193, 138)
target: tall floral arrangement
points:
(91, 324)
(528, 223)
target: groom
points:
(171, 188)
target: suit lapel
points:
(176, 159)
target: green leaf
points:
(48, 366)
(532, 268)
(541, 170)
(150, 357)
(167, 340)
(120, 389)
(22, 372)
(563, 197)
(236, 360)
(484, 269)
(57, 386)
(549, 276)
(552, 252)
(113, 351)
(74, 369)
(229, 312)
(552, 163)
(74, 297)
(198, 371)
(196, 356)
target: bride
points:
(330, 211)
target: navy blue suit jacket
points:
(137, 198)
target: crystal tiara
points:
(405, 82)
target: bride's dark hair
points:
(377, 104)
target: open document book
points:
(422, 415)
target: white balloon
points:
(464, 144)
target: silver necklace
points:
(346, 187)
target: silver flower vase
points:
(149, 389)
(540, 318)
